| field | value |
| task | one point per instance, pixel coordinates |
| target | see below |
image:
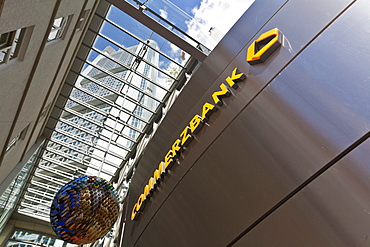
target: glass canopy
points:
(122, 77)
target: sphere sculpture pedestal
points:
(84, 210)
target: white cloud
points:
(220, 14)
(163, 13)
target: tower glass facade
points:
(108, 109)
(121, 82)
(114, 79)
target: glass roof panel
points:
(110, 104)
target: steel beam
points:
(138, 15)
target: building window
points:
(1, 5)
(10, 44)
(16, 139)
(82, 21)
(44, 112)
(59, 28)
(12, 143)
(29, 238)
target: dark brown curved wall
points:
(286, 160)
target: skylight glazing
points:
(108, 106)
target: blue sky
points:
(187, 5)
(205, 13)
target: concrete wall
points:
(30, 86)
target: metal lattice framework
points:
(111, 98)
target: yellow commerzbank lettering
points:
(185, 138)
(220, 94)
(235, 78)
(207, 111)
(196, 124)
(176, 148)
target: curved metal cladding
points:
(285, 159)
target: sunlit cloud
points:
(163, 13)
(218, 14)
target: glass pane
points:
(2, 56)
(24, 238)
(57, 22)
(128, 73)
(53, 34)
(4, 40)
(9, 198)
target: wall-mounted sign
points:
(258, 52)
(264, 46)
(185, 138)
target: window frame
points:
(83, 18)
(11, 45)
(13, 142)
(60, 29)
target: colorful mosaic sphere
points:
(84, 210)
